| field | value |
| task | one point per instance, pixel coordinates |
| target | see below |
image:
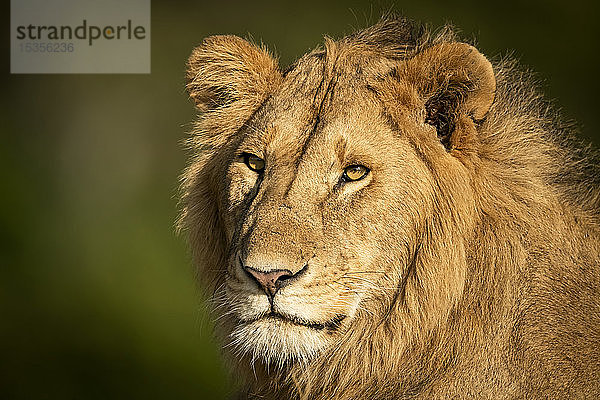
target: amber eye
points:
(355, 173)
(255, 163)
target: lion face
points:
(314, 193)
(310, 229)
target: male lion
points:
(392, 217)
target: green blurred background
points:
(97, 294)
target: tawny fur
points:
(479, 246)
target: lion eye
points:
(355, 173)
(255, 163)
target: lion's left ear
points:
(456, 81)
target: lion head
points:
(338, 200)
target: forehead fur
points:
(334, 78)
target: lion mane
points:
(476, 229)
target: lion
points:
(392, 217)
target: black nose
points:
(270, 281)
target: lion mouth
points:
(330, 325)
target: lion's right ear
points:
(226, 69)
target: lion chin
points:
(278, 340)
(265, 330)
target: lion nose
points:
(270, 281)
